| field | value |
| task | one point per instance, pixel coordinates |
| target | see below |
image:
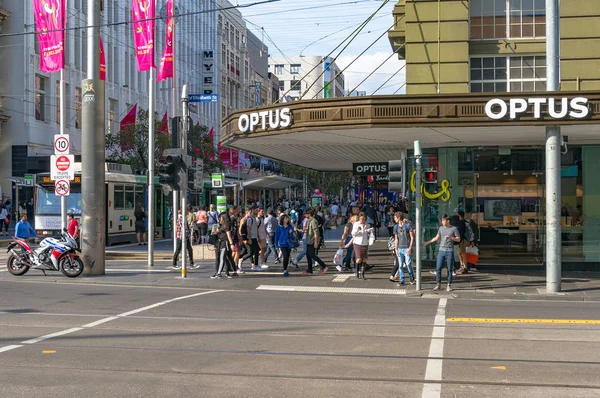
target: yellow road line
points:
(545, 321)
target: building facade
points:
(498, 47)
(31, 98)
(307, 77)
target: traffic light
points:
(430, 176)
(173, 169)
(395, 174)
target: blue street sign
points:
(203, 97)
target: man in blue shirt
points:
(23, 229)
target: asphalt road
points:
(105, 340)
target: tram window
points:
(119, 198)
(129, 197)
(139, 195)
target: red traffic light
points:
(430, 176)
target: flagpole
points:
(151, 100)
(174, 110)
(63, 121)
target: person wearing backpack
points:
(404, 240)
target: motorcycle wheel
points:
(71, 267)
(14, 268)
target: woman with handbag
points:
(285, 240)
(361, 235)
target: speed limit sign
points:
(61, 144)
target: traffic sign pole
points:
(184, 182)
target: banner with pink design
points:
(102, 62)
(143, 13)
(50, 21)
(165, 69)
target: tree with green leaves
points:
(130, 146)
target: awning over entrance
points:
(271, 182)
(331, 134)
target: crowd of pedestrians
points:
(246, 239)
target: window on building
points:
(237, 39)
(295, 85)
(78, 107)
(282, 85)
(57, 102)
(112, 110)
(508, 74)
(279, 69)
(498, 19)
(40, 97)
(295, 69)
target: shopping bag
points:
(371, 239)
(472, 258)
(472, 250)
(339, 255)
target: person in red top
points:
(73, 227)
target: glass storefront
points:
(503, 189)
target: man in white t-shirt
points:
(335, 209)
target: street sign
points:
(203, 97)
(199, 174)
(28, 180)
(62, 167)
(218, 180)
(62, 188)
(61, 144)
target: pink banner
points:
(102, 62)
(165, 69)
(143, 13)
(50, 23)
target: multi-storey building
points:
(307, 77)
(31, 98)
(260, 80)
(4, 14)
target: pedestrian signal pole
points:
(184, 178)
(418, 215)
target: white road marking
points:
(3, 270)
(9, 347)
(341, 278)
(315, 289)
(433, 372)
(137, 270)
(104, 320)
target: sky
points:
(317, 27)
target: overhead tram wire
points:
(349, 37)
(355, 59)
(347, 45)
(391, 77)
(139, 20)
(380, 65)
(399, 88)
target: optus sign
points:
(369, 169)
(273, 119)
(576, 108)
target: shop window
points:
(498, 19)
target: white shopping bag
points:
(472, 250)
(339, 255)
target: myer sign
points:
(576, 108)
(274, 119)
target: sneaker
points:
(277, 261)
(449, 288)
(394, 279)
(324, 270)
(229, 276)
(462, 271)
(215, 276)
(194, 266)
(433, 272)
(174, 267)
(453, 273)
(240, 271)
(412, 280)
(436, 288)
(253, 268)
(339, 268)
(264, 266)
(286, 274)
(307, 273)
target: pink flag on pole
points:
(143, 13)
(50, 23)
(102, 62)
(165, 69)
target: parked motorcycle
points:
(53, 254)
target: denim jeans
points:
(404, 259)
(271, 247)
(349, 252)
(449, 257)
(302, 253)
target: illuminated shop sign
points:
(576, 108)
(274, 119)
